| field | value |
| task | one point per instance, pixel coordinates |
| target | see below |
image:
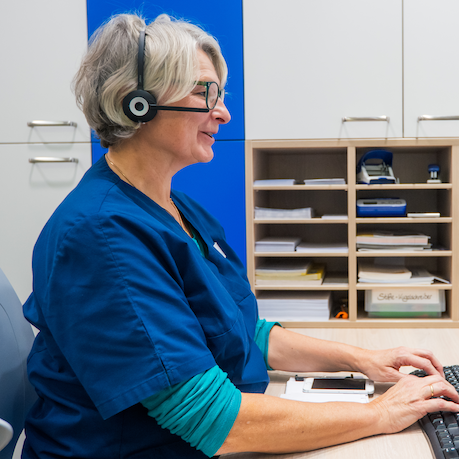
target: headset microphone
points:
(140, 105)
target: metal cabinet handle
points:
(40, 123)
(365, 118)
(438, 118)
(49, 159)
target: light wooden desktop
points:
(406, 444)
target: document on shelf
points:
(393, 248)
(268, 213)
(382, 272)
(289, 273)
(274, 182)
(277, 244)
(283, 268)
(392, 238)
(316, 247)
(294, 305)
(325, 181)
(419, 276)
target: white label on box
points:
(397, 296)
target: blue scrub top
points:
(126, 306)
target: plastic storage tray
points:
(399, 303)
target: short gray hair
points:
(108, 71)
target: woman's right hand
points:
(411, 399)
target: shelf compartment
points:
(299, 163)
(440, 234)
(420, 200)
(420, 156)
(324, 201)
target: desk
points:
(411, 442)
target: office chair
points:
(6, 433)
(16, 393)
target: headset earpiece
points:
(136, 106)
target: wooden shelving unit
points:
(334, 158)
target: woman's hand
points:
(384, 365)
(411, 399)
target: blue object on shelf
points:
(375, 167)
(381, 207)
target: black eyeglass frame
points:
(206, 84)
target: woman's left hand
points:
(384, 365)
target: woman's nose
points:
(221, 113)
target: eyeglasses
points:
(213, 92)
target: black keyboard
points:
(442, 427)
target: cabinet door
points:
(308, 64)
(30, 194)
(42, 44)
(431, 44)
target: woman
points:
(150, 343)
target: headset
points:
(140, 105)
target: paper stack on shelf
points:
(268, 213)
(419, 276)
(294, 306)
(317, 247)
(389, 241)
(277, 244)
(325, 181)
(289, 272)
(274, 182)
(383, 273)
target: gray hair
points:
(108, 71)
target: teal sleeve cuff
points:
(262, 331)
(201, 410)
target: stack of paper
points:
(419, 276)
(267, 213)
(294, 306)
(274, 182)
(317, 247)
(325, 181)
(289, 272)
(383, 273)
(277, 244)
(387, 240)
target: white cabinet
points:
(42, 44)
(431, 44)
(310, 63)
(30, 194)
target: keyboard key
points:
(450, 453)
(447, 443)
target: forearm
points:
(290, 351)
(274, 425)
